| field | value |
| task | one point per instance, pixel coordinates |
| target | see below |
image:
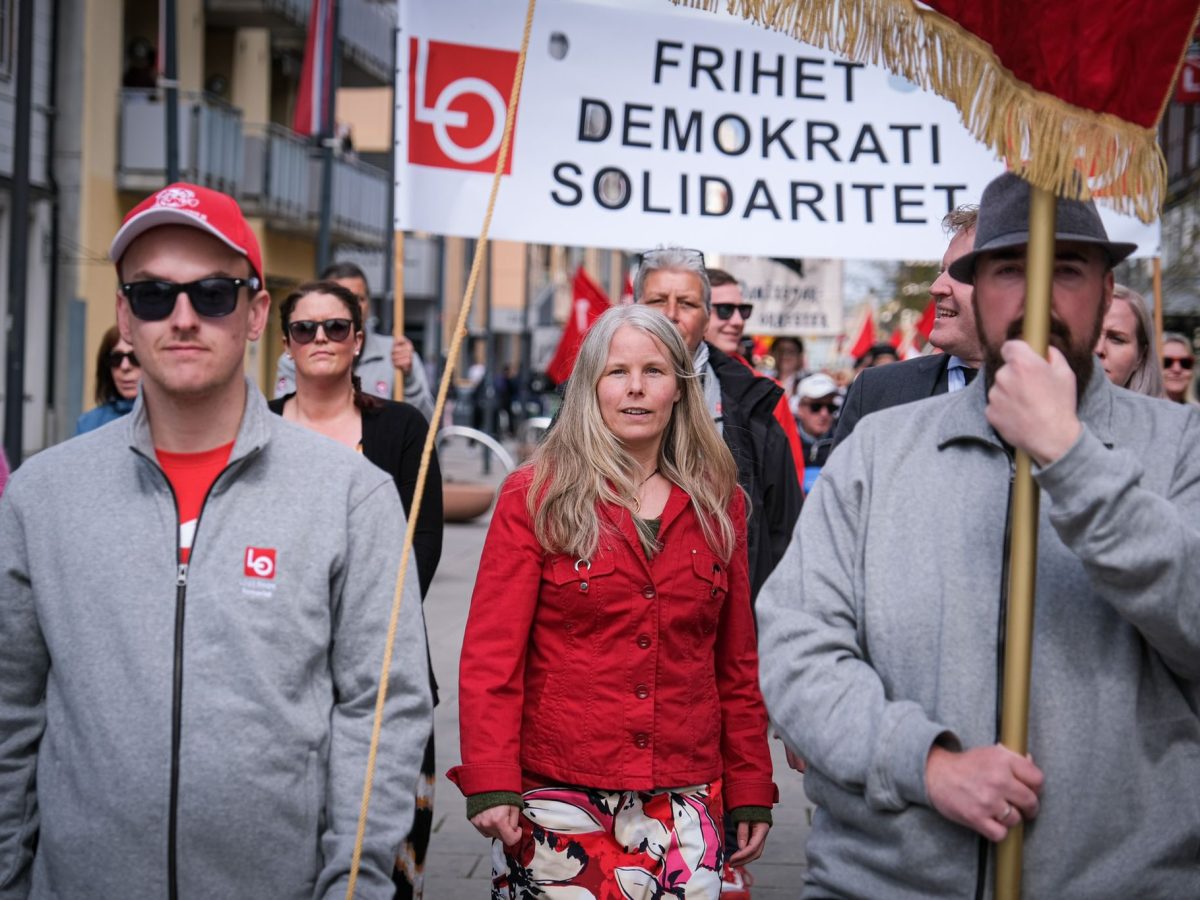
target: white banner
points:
(799, 296)
(650, 124)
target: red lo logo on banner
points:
(457, 96)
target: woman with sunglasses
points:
(1178, 361)
(1126, 344)
(323, 332)
(608, 681)
(117, 377)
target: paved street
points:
(459, 863)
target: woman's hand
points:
(751, 838)
(503, 822)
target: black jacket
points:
(393, 438)
(891, 385)
(766, 469)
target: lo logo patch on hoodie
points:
(260, 562)
(259, 568)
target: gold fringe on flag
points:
(1045, 140)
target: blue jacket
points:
(102, 415)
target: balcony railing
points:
(277, 183)
(258, 13)
(366, 29)
(210, 141)
(360, 199)
(365, 25)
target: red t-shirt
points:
(191, 475)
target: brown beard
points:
(1080, 356)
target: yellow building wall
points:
(368, 112)
(99, 205)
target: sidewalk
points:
(458, 866)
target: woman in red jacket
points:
(609, 694)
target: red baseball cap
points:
(194, 206)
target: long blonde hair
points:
(581, 463)
(1146, 378)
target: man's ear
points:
(1109, 283)
(260, 310)
(123, 319)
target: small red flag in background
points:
(627, 293)
(316, 78)
(588, 303)
(925, 325)
(903, 339)
(866, 336)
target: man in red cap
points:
(193, 606)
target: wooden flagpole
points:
(1022, 562)
(460, 333)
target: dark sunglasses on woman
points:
(153, 301)
(1185, 362)
(304, 331)
(116, 357)
(724, 311)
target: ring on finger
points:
(1008, 811)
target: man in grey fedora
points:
(881, 638)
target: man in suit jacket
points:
(953, 333)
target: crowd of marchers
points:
(196, 594)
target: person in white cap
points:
(817, 402)
(194, 601)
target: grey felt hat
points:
(1004, 222)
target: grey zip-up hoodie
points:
(267, 669)
(879, 632)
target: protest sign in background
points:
(649, 124)
(795, 296)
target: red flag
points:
(627, 293)
(897, 338)
(1055, 89)
(316, 78)
(866, 336)
(588, 303)
(925, 325)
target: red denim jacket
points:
(614, 672)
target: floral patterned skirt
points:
(584, 844)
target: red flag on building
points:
(316, 78)
(588, 303)
(866, 336)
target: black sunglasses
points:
(116, 357)
(829, 406)
(1183, 361)
(304, 331)
(153, 301)
(724, 311)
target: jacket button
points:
(648, 592)
(643, 641)
(641, 740)
(642, 692)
